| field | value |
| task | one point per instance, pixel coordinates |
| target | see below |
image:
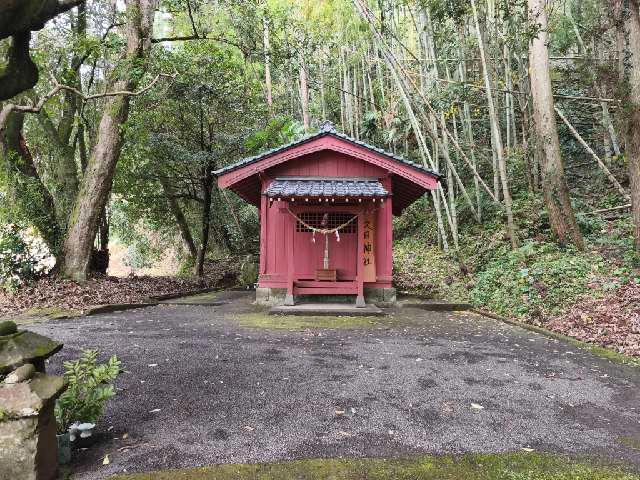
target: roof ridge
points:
(327, 129)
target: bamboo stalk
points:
(586, 146)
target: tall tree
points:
(633, 113)
(98, 177)
(555, 190)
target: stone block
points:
(28, 446)
(270, 296)
(382, 297)
(25, 347)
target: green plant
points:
(20, 261)
(90, 386)
(535, 280)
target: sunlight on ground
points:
(168, 265)
(512, 466)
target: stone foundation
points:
(382, 297)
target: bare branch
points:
(10, 107)
(197, 36)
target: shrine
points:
(326, 206)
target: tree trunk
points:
(633, 120)
(207, 186)
(304, 92)
(496, 135)
(26, 192)
(98, 178)
(178, 214)
(554, 186)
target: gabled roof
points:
(315, 187)
(409, 180)
(326, 129)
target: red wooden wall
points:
(275, 220)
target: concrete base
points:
(328, 309)
(382, 297)
(289, 301)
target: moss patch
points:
(631, 442)
(295, 322)
(597, 350)
(50, 313)
(513, 466)
(201, 298)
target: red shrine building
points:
(326, 215)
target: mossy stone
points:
(8, 328)
(26, 347)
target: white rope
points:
(323, 231)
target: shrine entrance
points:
(329, 256)
(326, 215)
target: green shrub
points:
(20, 262)
(427, 270)
(90, 386)
(534, 280)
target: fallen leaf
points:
(125, 436)
(105, 460)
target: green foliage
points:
(20, 261)
(535, 279)
(205, 118)
(90, 386)
(143, 248)
(279, 131)
(427, 270)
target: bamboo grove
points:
(496, 95)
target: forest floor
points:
(230, 385)
(61, 298)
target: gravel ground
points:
(201, 389)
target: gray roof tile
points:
(325, 187)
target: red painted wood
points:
(325, 291)
(360, 255)
(311, 284)
(289, 225)
(263, 236)
(288, 259)
(418, 177)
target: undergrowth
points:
(535, 281)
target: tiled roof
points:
(327, 128)
(325, 187)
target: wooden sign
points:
(368, 255)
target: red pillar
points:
(360, 269)
(264, 205)
(290, 226)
